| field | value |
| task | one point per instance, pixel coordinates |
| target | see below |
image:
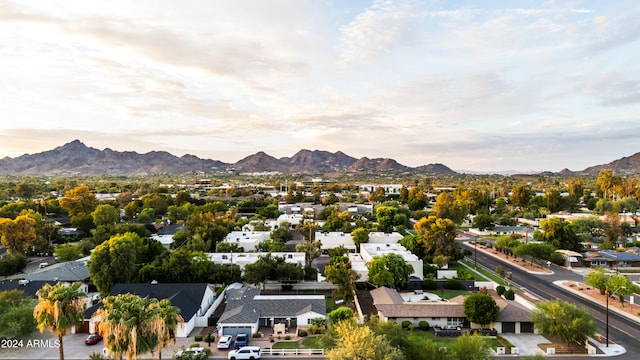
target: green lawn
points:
(286, 345)
(446, 341)
(484, 272)
(311, 342)
(476, 276)
(448, 294)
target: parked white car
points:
(225, 342)
(245, 352)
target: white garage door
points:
(233, 330)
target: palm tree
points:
(59, 308)
(171, 318)
(130, 325)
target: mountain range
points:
(75, 158)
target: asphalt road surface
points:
(622, 330)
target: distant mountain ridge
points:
(75, 158)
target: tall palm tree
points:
(171, 318)
(59, 308)
(130, 324)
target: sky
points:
(476, 85)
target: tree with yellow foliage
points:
(355, 341)
(17, 235)
(79, 200)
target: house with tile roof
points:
(247, 311)
(391, 306)
(194, 301)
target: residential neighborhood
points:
(235, 269)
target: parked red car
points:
(92, 339)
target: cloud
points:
(378, 30)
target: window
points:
(454, 321)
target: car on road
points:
(241, 340)
(225, 342)
(245, 352)
(92, 339)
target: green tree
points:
(469, 347)
(282, 233)
(340, 314)
(360, 236)
(598, 279)
(158, 202)
(389, 270)
(68, 252)
(59, 309)
(226, 246)
(393, 332)
(16, 314)
(12, 263)
(621, 286)
(417, 199)
(147, 215)
(560, 234)
(358, 342)
(269, 267)
(535, 251)
(105, 214)
(481, 309)
(129, 324)
(437, 236)
(482, 222)
(385, 216)
(339, 272)
(520, 195)
(114, 261)
(564, 320)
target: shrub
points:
(509, 295)
(316, 329)
(428, 284)
(97, 356)
(407, 325)
(302, 333)
(198, 338)
(256, 335)
(453, 284)
(423, 325)
(500, 289)
(288, 337)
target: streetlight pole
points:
(475, 252)
(607, 315)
